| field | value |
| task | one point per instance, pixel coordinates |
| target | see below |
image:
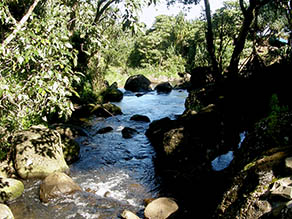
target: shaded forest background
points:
(58, 53)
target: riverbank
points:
(215, 116)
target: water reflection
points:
(221, 162)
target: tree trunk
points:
(249, 16)
(240, 42)
(210, 42)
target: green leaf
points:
(68, 45)
(20, 59)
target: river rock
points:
(57, 184)
(164, 87)
(160, 208)
(5, 212)
(111, 94)
(129, 215)
(106, 110)
(172, 140)
(288, 163)
(37, 152)
(6, 169)
(104, 130)
(10, 189)
(129, 132)
(140, 118)
(283, 188)
(138, 83)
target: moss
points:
(268, 160)
(249, 165)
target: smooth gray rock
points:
(129, 215)
(160, 208)
(5, 212)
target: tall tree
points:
(249, 13)
(209, 34)
(210, 41)
(103, 11)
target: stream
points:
(114, 173)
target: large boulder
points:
(10, 189)
(37, 152)
(138, 83)
(255, 190)
(164, 87)
(160, 208)
(5, 212)
(56, 185)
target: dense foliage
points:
(51, 56)
(37, 69)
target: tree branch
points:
(20, 24)
(100, 10)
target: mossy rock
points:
(37, 152)
(111, 94)
(106, 110)
(10, 189)
(71, 150)
(5, 212)
(6, 169)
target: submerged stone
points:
(129, 132)
(140, 118)
(56, 185)
(104, 130)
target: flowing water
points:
(114, 173)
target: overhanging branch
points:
(20, 24)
